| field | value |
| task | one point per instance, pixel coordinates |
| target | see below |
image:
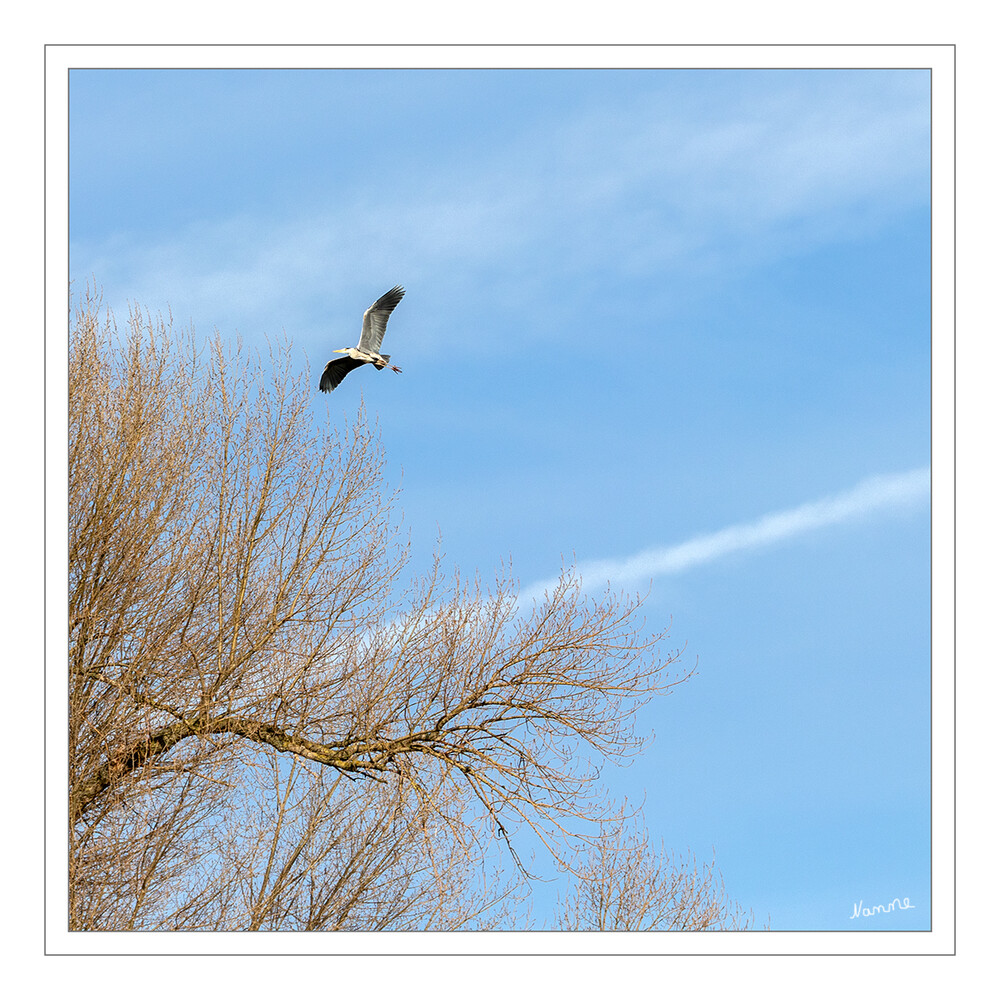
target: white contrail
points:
(867, 497)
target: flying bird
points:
(367, 351)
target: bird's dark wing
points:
(376, 317)
(336, 371)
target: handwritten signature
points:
(861, 910)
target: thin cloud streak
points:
(868, 497)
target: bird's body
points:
(368, 351)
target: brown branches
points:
(240, 642)
(623, 884)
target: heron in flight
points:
(367, 351)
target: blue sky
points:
(643, 308)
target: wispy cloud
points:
(879, 493)
(679, 184)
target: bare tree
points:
(621, 883)
(270, 728)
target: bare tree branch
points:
(269, 727)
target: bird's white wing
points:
(376, 317)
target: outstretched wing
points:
(376, 317)
(336, 371)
